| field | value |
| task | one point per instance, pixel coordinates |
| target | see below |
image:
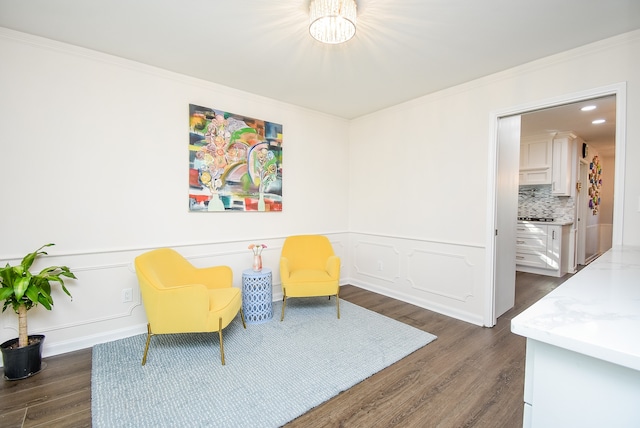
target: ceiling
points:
(569, 117)
(402, 49)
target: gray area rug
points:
(274, 371)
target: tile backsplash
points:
(537, 201)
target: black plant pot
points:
(20, 363)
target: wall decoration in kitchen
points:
(595, 182)
(235, 162)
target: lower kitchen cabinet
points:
(563, 389)
(542, 248)
(582, 367)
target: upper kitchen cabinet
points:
(564, 163)
(535, 159)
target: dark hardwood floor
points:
(469, 377)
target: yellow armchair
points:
(309, 267)
(180, 298)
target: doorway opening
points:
(502, 276)
(588, 206)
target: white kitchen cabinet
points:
(535, 160)
(542, 248)
(531, 245)
(564, 388)
(564, 164)
(535, 176)
(557, 241)
(582, 364)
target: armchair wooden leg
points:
(146, 348)
(220, 336)
(242, 316)
(284, 303)
(338, 305)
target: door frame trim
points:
(617, 89)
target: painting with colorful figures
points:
(235, 162)
(595, 183)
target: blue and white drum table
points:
(257, 296)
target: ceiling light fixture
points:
(598, 121)
(332, 21)
(588, 108)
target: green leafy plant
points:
(22, 290)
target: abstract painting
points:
(235, 162)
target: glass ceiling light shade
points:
(332, 21)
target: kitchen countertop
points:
(553, 223)
(596, 312)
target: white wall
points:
(94, 157)
(419, 173)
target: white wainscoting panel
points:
(376, 260)
(447, 275)
(441, 276)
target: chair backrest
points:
(307, 251)
(163, 267)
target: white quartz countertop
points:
(551, 223)
(596, 312)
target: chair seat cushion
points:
(309, 275)
(308, 282)
(225, 303)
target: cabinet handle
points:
(520, 242)
(520, 257)
(553, 234)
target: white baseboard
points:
(89, 341)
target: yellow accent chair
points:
(309, 267)
(180, 298)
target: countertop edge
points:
(551, 223)
(600, 352)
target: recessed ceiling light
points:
(588, 108)
(598, 121)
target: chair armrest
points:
(285, 273)
(333, 267)
(213, 277)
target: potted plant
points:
(22, 290)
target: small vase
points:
(215, 204)
(257, 263)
